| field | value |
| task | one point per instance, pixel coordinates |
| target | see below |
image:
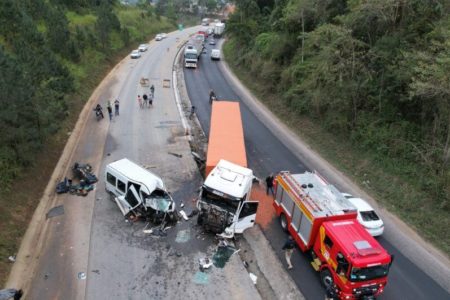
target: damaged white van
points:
(138, 192)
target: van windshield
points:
(363, 274)
(190, 56)
(159, 200)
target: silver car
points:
(135, 54)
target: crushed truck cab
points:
(224, 202)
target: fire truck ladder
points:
(299, 191)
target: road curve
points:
(267, 153)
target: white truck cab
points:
(224, 202)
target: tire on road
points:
(326, 278)
(283, 222)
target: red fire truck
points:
(323, 222)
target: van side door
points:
(130, 201)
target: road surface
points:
(266, 153)
(89, 251)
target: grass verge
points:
(379, 178)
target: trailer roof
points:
(226, 135)
(318, 196)
(357, 243)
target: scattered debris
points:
(166, 83)
(81, 275)
(198, 158)
(205, 263)
(245, 264)
(183, 214)
(63, 186)
(96, 272)
(84, 172)
(253, 277)
(193, 213)
(55, 211)
(108, 154)
(183, 236)
(201, 278)
(148, 167)
(182, 205)
(223, 254)
(147, 231)
(46, 276)
(12, 258)
(178, 254)
(175, 154)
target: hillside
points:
(52, 56)
(366, 83)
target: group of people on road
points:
(146, 100)
(99, 109)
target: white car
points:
(135, 54)
(367, 217)
(163, 35)
(143, 47)
(158, 37)
(215, 54)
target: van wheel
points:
(283, 222)
(326, 278)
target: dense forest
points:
(375, 73)
(53, 54)
(47, 49)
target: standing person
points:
(116, 107)
(152, 90)
(331, 292)
(150, 100)
(288, 248)
(109, 107)
(139, 101)
(145, 99)
(192, 112)
(269, 184)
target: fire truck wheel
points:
(283, 222)
(326, 278)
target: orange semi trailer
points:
(226, 136)
(224, 202)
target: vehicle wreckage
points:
(138, 192)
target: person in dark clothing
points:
(152, 90)
(269, 185)
(288, 248)
(116, 107)
(145, 97)
(192, 112)
(109, 107)
(331, 292)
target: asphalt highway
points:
(266, 153)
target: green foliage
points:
(46, 52)
(375, 73)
